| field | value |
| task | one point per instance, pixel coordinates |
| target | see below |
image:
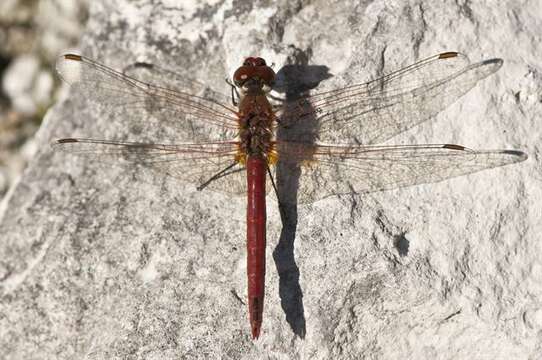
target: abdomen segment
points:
(256, 219)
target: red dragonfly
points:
(237, 150)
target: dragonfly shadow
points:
(294, 81)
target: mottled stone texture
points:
(105, 262)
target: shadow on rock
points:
(294, 80)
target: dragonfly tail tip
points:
(255, 332)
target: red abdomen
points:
(256, 218)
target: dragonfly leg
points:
(234, 92)
(274, 186)
(278, 99)
(216, 176)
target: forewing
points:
(193, 117)
(334, 170)
(380, 109)
(166, 78)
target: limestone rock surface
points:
(100, 261)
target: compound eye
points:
(259, 62)
(249, 61)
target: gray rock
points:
(3, 181)
(32, 33)
(40, 27)
(18, 83)
(102, 261)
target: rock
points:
(32, 34)
(3, 181)
(15, 130)
(28, 87)
(18, 82)
(104, 261)
(40, 27)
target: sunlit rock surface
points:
(109, 262)
(32, 33)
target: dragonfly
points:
(330, 139)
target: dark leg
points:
(274, 187)
(218, 175)
(233, 92)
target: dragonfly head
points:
(254, 75)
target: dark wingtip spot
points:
(67, 140)
(517, 153)
(73, 57)
(453, 147)
(143, 65)
(495, 61)
(447, 55)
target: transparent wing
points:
(190, 115)
(335, 170)
(166, 78)
(189, 162)
(380, 109)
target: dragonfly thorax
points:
(256, 119)
(255, 135)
